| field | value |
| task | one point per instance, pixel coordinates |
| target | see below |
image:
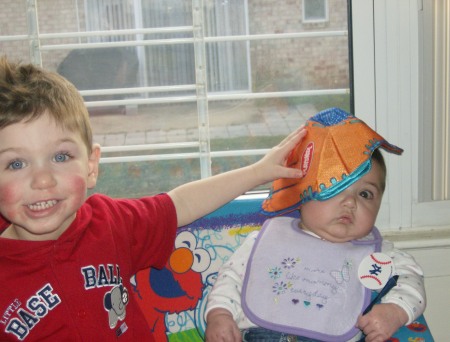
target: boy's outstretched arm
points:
(196, 199)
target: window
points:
(395, 76)
(177, 91)
(182, 93)
(315, 11)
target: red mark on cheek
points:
(10, 197)
(77, 187)
(77, 183)
(11, 191)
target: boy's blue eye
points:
(61, 157)
(16, 165)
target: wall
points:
(54, 17)
(306, 63)
(432, 252)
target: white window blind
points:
(440, 61)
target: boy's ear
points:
(93, 163)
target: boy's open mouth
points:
(42, 205)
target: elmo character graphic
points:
(417, 327)
(175, 288)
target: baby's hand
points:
(382, 322)
(221, 327)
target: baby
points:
(298, 278)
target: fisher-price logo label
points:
(307, 158)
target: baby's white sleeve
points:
(409, 293)
(226, 292)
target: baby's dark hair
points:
(379, 159)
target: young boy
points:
(301, 277)
(65, 259)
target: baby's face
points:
(349, 215)
(45, 171)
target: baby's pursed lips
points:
(346, 217)
(42, 205)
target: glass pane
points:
(262, 123)
(136, 179)
(93, 69)
(16, 50)
(13, 19)
(141, 84)
(150, 124)
(60, 16)
(300, 64)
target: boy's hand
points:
(382, 322)
(221, 327)
(273, 165)
(196, 199)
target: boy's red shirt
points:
(78, 287)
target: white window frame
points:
(388, 97)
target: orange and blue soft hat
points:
(334, 154)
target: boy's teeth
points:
(42, 205)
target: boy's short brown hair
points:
(28, 91)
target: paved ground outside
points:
(179, 123)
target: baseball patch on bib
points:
(375, 270)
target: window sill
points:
(423, 237)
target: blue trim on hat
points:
(327, 193)
(338, 187)
(332, 117)
(347, 180)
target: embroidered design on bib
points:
(305, 286)
(343, 274)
